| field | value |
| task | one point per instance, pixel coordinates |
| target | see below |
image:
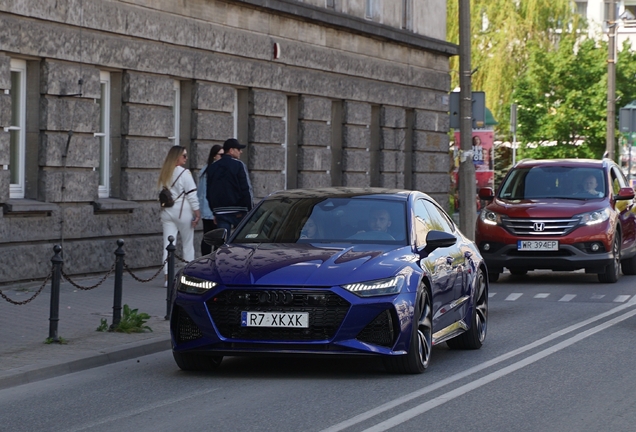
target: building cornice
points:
(353, 24)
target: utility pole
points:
(611, 80)
(466, 183)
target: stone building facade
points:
(94, 92)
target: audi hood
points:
(268, 264)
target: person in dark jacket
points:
(229, 191)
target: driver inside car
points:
(590, 184)
(379, 220)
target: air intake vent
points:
(184, 328)
(379, 331)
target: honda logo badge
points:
(538, 226)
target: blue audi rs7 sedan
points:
(334, 271)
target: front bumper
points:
(340, 323)
(567, 258)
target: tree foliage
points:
(562, 99)
(501, 31)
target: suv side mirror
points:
(486, 194)
(216, 237)
(625, 193)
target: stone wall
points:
(337, 108)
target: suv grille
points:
(540, 227)
(326, 312)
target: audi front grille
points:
(539, 227)
(326, 312)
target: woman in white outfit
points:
(184, 215)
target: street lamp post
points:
(611, 80)
(467, 189)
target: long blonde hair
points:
(169, 164)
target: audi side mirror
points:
(486, 194)
(216, 237)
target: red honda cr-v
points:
(560, 214)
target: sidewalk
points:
(24, 355)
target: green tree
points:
(501, 30)
(562, 99)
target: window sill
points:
(114, 205)
(28, 207)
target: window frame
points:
(104, 135)
(17, 190)
(176, 111)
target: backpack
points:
(165, 196)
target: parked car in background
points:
(560, 214)
(333, 272)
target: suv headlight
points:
(594, 217)
(377, 287)
(194, 285)
(490, 217)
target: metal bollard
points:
(54, 316)
(119, 275)
(170, 248)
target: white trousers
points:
(173, 224)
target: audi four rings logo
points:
(538, 226)
(275, 297)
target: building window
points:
(331, 4)
(176, 108)
(17, 128)
(407, 14)
(370, 9)
(104, 136)
(581, 8)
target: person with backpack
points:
(180, 207)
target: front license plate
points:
(275, 319)
(537, 245)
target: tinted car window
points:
(618, 180)
(421, 222)
(551, 182)
(325, 220)
(438, 219)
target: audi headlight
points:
(594, 217)
(377, 287)
(490, 217)
(194, 285)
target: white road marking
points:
(567, 297)
(542, 295)
(621, 299)
(491, 294)
(460, 391)
(513, 296)
(598, 296)
(468, 372)
(130, 413)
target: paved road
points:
(558, 357)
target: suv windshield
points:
(325, 220)
(554, 182)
